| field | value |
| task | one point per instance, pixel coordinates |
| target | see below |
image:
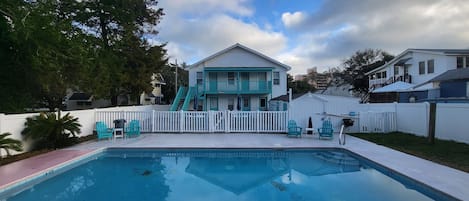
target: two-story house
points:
(407, 78)
(236, 78)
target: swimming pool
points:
(222, 174)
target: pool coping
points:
(356, 146)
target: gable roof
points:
(455, 74)
(237, 45)
(394, 87)
(448, 52)
(285, 97)
(79, 96)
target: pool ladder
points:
(342, 135)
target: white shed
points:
(320, 107)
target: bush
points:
(8, 144)
(51, 132)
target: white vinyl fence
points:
(377, 122)
(202, 122)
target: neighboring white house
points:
(156, 95)
(236, 78)
(417, 67)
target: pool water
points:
(296, 175)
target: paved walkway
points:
(445, 179)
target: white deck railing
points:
(202, 122)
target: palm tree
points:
(8, 144)
(51, 131)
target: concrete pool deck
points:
(442, 178)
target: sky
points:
(310, 33)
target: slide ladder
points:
(189, 96)
(177, 100)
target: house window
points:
(383, 74)
(231, 78)
(276, 78)
(422, 67)
(430, 66)
(459, 62)
(199, 78)
(231, 104)
(378, 75)
(396, 70)
(262, 103)
(467, 62)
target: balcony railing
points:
(238, 87)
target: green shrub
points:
(51, 132)
(8, 144)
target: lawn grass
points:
(445, 152)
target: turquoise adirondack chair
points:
(326, 130)
(133, 130)
(103, 131)
(293, 129)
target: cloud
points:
(293, 19)
(194, 37)
(322, 37)
(341, 27)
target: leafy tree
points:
(119, 30)
(299, 86)
(8, 144)
(361, 62)
(169, 74)
(95, 46)
(51, 131)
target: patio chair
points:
(133, 130)
(293, 129)
(326, 130)
(103, 131)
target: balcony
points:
(237, 87)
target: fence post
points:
(1, 120)
(257, 121)
(431, 123)
(210, 122)
(153, 121)
(395, 113)
(181, 119)
(227, 121)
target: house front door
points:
(246, 103)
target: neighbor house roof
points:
(80, 96)
(285, 97)
(237, 45)
(455, 74)
(394, 87)
(398, 58)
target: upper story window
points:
(430, 66)
(200, 78)
(396, 70)
(231, 78)
(276, 78)
(459, 62)
(422, 67)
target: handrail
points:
(342, 135)
(177, 99)
(190, 94)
